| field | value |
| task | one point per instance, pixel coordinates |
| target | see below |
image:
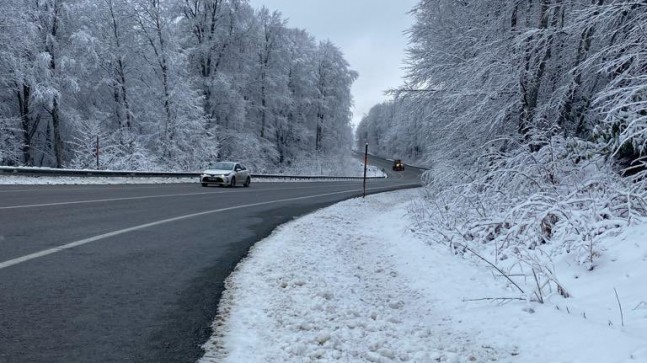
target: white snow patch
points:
(65, 180)
(356, 283)
(75, 180)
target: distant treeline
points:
(166, 84)
(499, 75)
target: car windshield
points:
(223, 166)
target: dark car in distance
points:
(398, 165)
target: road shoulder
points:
(331, 286)
(355, 282)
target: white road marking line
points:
(50, 251)
(120, 187)
(106, 200)
(70, 245)
(117, 186)
(102, 187)
(136, 198)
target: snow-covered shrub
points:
(623, 100)
(256, 154)
(119, 150)
(10, 153)
(521, 208)
(334, 164)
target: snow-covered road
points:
(355, 283)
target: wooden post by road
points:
(97, 152)
(365, 165)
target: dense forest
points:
(497, 74)
(166, 84)
(531, 116)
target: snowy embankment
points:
(358, 282)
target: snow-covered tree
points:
(164, 84)
(526, 112)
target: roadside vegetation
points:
(531, 117)
(167, 85)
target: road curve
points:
(133, 273)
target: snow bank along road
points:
(134, 272)
(360, 281)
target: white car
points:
(226, 173)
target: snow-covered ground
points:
(355, 169)
(68, 180)
(73, 180)
(356, 282)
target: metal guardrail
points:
(274, 176)
(423, 168)
(6, 170)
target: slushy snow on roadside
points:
(75, 180)
(355, 282)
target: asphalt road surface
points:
(134, 273)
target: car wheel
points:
(248, 181)
(233, 182)
(204, 184)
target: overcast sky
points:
(369, 32)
